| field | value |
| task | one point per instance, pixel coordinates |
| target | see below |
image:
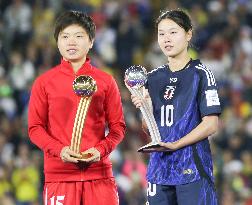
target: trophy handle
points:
(148, 117)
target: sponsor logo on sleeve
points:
(188, 171)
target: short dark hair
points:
(75, 17)
(178, 16)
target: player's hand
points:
(67, 155)
(90, 155)
(169, 146)
(138, 101)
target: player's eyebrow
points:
(82, 32)
(168, 29)
(78, 32)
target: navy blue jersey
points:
(180, 99)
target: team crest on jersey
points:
(169, 92)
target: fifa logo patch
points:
(212, 97)
(169, 92)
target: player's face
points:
(172, 39)
(74, 43)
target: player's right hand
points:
(67, 155)
(138, 100)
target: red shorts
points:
(95, 192)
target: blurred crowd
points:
(126, 36)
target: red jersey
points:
(52, 109)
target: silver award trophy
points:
(135, 78)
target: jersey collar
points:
(66, 67)
(182, 69)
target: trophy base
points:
(151, 147)
(85, 156)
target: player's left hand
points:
(169, 146)
(90, 155)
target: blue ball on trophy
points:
(135, 76)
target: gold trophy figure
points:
(135, 78)
(83, 86)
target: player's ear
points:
(91, 44)
(189, 35)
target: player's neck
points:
(178, 63)
(77, 65)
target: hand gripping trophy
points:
(83, 86)
(135, 78)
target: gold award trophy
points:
(135, 78)
(83, 86)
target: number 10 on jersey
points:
(167, 115)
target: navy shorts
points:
(201, 192)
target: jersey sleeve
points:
(208, 97)
(115, 120)
(37, 121)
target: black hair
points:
(75, 17)
(178, 16)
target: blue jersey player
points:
(186, 107)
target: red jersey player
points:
(51, 118)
